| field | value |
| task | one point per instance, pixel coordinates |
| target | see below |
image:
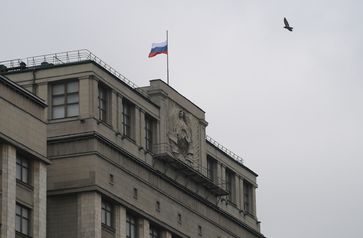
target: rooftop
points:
(84, 55)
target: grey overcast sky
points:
(290, 103)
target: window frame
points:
(230, 185)
(107, 214)
(131, 225)
(127, 118)
(22, 164)
(149, 132)
(66, 94)
(154, 232)
(211, 168)
(247, 197)
(21, 218)
(103, 103)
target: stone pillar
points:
(237, 191)
(137, 126)
(219, 178)
(120, 222)
(40, 199)
(89, 215)
(142, 129)
(166, 234)
(121, 115)
(143, 228)
(254, 201)
(112, 107)
(241, 194)
(8, 196)
(223, 176)
(84, 97)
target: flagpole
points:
(167, 58)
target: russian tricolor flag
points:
(158, 48)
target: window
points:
(247, 197)
(154, 233)
(130, 227)
(230, 185)
(22, 219)
(127, 110)
(22, 169)
(211, 168)
(149, 132)
(106, 213)
(65, 100)
(103, 102)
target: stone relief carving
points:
(181, 135)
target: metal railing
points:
(66, 58)
(236, 157)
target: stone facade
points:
(124, 161)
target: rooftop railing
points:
(74, 56)
(225, 150)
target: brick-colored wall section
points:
(8, 198)
(89, 215)
(40, 199)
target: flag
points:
(158, 48)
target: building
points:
(122, 161)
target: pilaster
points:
(89, 215)
(40, 199)
(8, 196)
(120, 222)
(143, 228)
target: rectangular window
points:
(22, 169)
(247, 197)
(154, 233)
(65, 100)
(103, 103)
(106, 213)
(149, 132)
(230, 185)
(127, 110)
(130, 227)
(211, 168)
(22, 219)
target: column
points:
(166, 234)
(8, 196)
(120, 222)
(40, 199)
(220, 179)
(113, 112)
(241, 193)
(143, 228)
(142, 128)
(236, 188)
(89, 215)
(254, 200)
(137, 126)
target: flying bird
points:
(287, 26)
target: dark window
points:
(22, 219)
(154, 233)
(65, 99)
(106, 213)
(103, 102)
(149, 132)
(127, 109)
(211, 168)
(200, 231)
(130, 227)
(247, 197)
(230, 185)
(22, 169)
